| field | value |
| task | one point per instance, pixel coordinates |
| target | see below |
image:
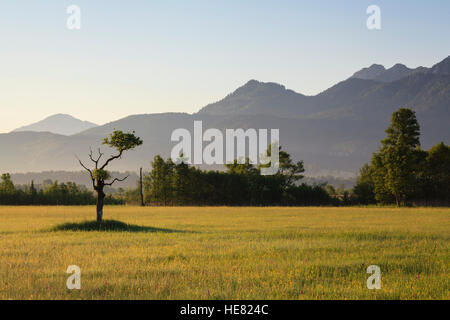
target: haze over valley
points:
(334, 132)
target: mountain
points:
(367, 99)
(395, 73)
(334, 132)
(370, 73)
(442, 68)
(399, 71)
(354, 98)
(259, 98)
(63, 124)
(380, 73)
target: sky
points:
(133, 57)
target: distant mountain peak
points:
(379, 73)
(252, 84)
(370, 73)
(256, 97)
(376, 66)
(60, 116)
(60, 123)
(399, 66)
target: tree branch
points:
(99, 155)
(90, 172)
(111, 159)
(116, 179)
(94, 160)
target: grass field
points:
(227, 253)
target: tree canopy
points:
(401, 171)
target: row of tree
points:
(171, 183)
(49, 193)
(401, 172)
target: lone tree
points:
(121, 142)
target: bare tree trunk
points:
(100, 198)
(141, 189)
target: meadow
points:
(226, 253)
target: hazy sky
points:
(157, 56)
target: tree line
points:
(175, 184)
(49, 193)
(171, 183)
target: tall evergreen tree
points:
(395, 168)
(6, 184)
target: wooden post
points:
(141, 189)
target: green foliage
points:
(158, 186)
(398, 154)
(122, 141)
(51, 193)
(436, 174)
(130, 196)
(6, 185)
(378, 175)
(292, 172)
(404, 131)
(401, 172)
(245, 168)
(364, 190)
(180, 184)
(100, 175)
(330, 190)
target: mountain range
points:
(334, 132)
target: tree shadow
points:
(110, 226)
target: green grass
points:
(224, 253)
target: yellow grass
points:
(227, 253)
